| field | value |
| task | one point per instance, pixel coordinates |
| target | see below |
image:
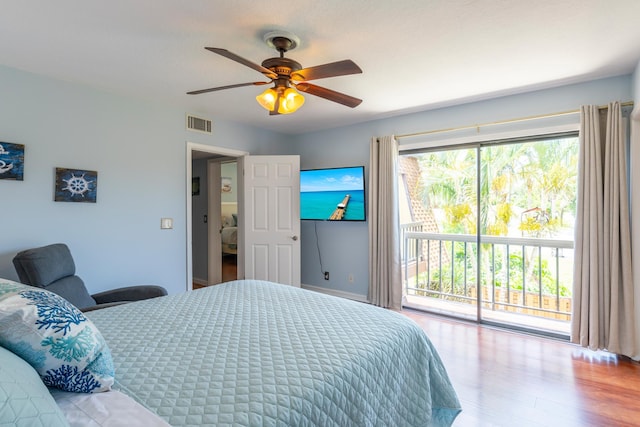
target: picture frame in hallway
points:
(226, 184)
(195, 186)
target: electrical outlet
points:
(350, 278)
(326, 275)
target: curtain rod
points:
(502, 122)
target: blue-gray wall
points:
(200, 229)
(344, 246)
(138, 149)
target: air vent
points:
(198, 124)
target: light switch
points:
(166, 223)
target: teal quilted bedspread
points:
(254, 353)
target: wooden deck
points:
(341, 209)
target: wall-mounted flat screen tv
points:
(335, 194)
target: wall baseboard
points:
(336, 293)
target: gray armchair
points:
(51, 267)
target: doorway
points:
(226, 172)
(204, 216)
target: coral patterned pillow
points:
(64, 347)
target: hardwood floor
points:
(229, 270)
(229, 267)
(511, 379)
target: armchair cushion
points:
(52, 268)
(72, 289)
(42, 266)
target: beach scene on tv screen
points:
(332, 194)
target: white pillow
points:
(53, 336)
(227, 221)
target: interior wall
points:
(344, 246)
(229, 171)
(138, 149)
(200, 208)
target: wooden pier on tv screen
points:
(340, 209)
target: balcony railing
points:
(527, 275)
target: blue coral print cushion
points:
(64, 347)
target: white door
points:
(272, 218)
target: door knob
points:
(294, 238)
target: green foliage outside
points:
(442, 280)
(526, 190)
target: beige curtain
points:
(634, 179)
(385, 287)
(603, 296)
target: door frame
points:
(215, 150)
(214, 241)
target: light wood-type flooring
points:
(512, 379)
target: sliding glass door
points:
(439, 223)
(488, 231)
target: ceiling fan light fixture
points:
(288, 100)
(267, 99)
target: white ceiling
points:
(415, 54)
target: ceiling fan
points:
(287, 74)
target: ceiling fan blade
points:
(340, 68)
(213, 89)
(329, 94)
(224, 52)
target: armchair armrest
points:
(131, 293)
(105, 305)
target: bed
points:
(245, 353)
(258, 353)
(229, 231)
(229, 235)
